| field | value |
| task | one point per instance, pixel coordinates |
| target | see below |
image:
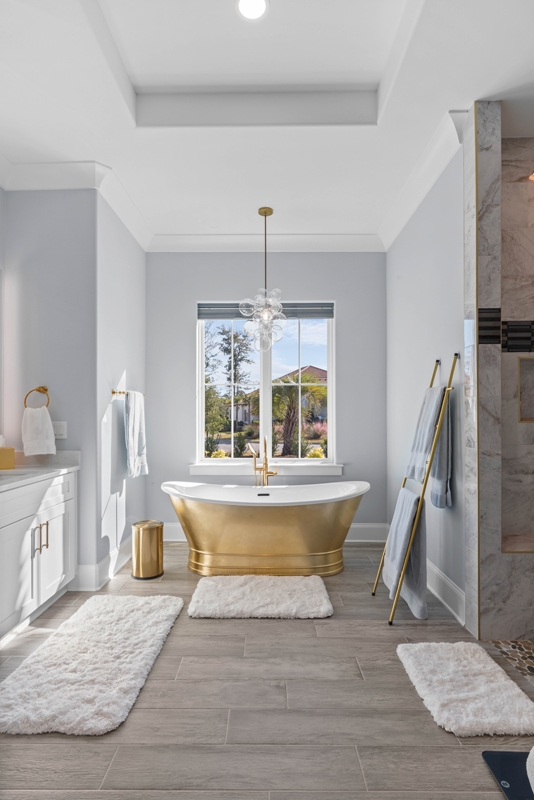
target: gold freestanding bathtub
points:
(270, 530)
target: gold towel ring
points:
(42, 390)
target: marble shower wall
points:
(517, 279)
(499, 586)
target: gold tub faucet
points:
(264, 469)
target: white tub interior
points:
(266, 495)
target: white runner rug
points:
(85, 678)
(466, 692)
(282, 597)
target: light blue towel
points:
(440, 474)
(414, 585)
(134, 425)
(424, 433)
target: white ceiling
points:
(191, 43)
(70, 70)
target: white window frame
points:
(286, 466)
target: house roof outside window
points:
(320, 375)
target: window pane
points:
(246, 357)
(246, 420)
(217, 365)
(217, 433)
(285, 426)
(314, 348)
(314, 436)
(285, 356)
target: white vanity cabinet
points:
(37, 545)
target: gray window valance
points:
(291, 310)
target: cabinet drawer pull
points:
(46, 543)
(40, 548)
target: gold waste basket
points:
(147, 549)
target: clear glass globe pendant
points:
(266, 323)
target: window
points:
(284, 395)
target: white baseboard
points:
(365, 532)
(452, 597)
(92, 577)
(173, 532)
(368, 532)
(10, 635)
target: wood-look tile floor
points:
(264, 709)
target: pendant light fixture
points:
(266, 323)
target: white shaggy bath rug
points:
(85, 678)
(291, 597)
(466, 692)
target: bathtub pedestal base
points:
(322, 564)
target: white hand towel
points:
(134, 424)
(37, 432)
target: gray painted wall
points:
(74, 320)
(50, 327)
(121, 334)
(355, 281)
(3, 228)
(3, 216)
(425, 322)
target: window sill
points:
(223, 468)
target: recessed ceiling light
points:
(252, 9)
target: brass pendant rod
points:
(265, 212)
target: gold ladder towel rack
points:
(448, 389)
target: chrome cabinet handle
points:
(46, 543)
(40, 548)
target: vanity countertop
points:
(21, 476)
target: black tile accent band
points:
(518, 337)
(489, 325)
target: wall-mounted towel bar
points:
(42, 390)
(115, 392)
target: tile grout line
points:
(178, 670)
(227, 727)
(361, 768)
(287, 696)
(359, 667)
(109, 767)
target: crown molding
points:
(253, 243)
(78, 175)
(443, 145)
(92, 175)
(408, 23)
(124, 207)
(459, 118)
(108, 48)
(5, 168)
(55, 175)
